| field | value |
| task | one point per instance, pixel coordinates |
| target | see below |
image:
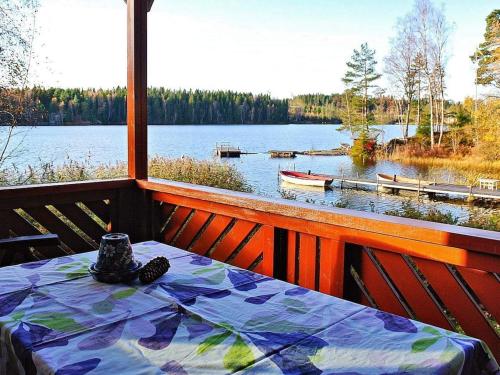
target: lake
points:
(107, 144)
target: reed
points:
(201, 172)
(464, 164)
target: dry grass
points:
(205, 172)
(208, 173)
(471, 167)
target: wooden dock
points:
(225, 150)
(283, 154)
(341, 151)
(437, 188)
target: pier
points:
(283, 154)
(225, 150)
(341, 151)
(432, 189)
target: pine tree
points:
(487, 55)
(361, 74)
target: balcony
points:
(439, 274)
(443, 275)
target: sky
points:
(280, 47)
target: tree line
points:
(58, 106)
(108, 107)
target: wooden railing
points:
(440, 274)
(79, 213)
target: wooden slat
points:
(307, 268)
(261, 243)
(175, 223)
(458, 302)
(4, 226)
(379, 288)
(196, 223)
(486, 287)
(291, 268)
(166, 210)
(232, 240)
(51, 199)
(13, 221)
(210, 234)
(267, 267)
(331, 267)
(81, 220)
(412, 289)
(56, 226)
(101, 209)
(369, 236)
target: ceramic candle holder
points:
(115, 259)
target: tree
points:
(488, 129)
(17, 20)
(440, 32)
(432, 31)
(361, 74)
(401, 66)
(487, 55)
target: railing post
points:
(280, 253)
(332, 267)
(137, 111)
(352, 258)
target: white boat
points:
(405, 180)
(306, 179)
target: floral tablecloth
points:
(205, 317)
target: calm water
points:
(107, 144)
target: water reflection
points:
(107, 144)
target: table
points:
(206, 317)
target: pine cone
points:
(154, 269)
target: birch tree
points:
(440, 35)
(17, 30)
(432, 36)
(401, 67)
(422, 13)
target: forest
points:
(57, 106)
(75, 106)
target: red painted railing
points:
(441, 274)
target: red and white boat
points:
(308, 179)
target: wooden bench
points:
(20, 249)
(488, 183)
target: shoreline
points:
(219, 124)
(469, 165)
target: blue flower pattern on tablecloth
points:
(205, 316)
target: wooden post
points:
(280, 253)
(470, 198)
(352, 257)
(137, 112)
(332, 267)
